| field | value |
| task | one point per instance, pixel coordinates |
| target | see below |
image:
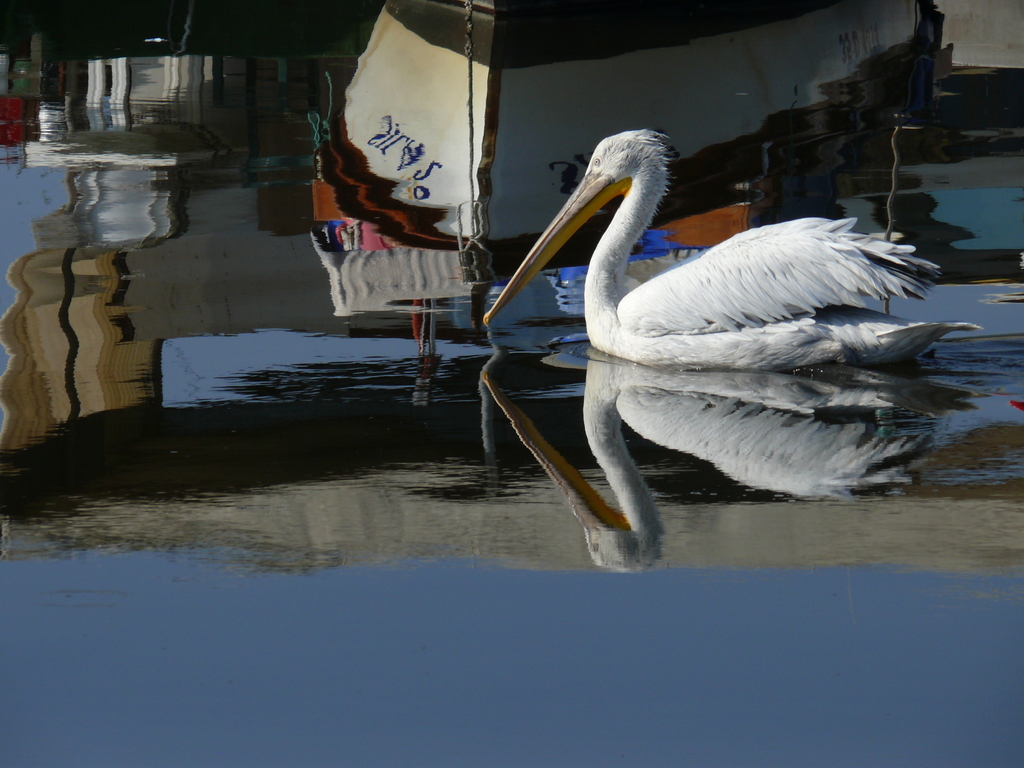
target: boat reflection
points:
(824, 432)
(370, 274)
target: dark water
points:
(262, 507)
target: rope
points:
(890, 201)
(321, 125)
(177, 50)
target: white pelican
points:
(776, 297)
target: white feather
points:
(774, 273)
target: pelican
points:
(776, 297)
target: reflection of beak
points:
(584, 500)
(594, 191)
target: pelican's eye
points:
(597, 162)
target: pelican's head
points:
(621, 162)
(632, 155)
(616, 550)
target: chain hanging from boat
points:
(475, 208)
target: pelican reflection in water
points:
(791, 434)
(776, 297)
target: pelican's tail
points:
(913, 274)
(910, 341)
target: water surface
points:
(273, 494)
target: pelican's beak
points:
(586, 503)
(594, 191)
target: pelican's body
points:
(776, 297)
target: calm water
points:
(273, 495)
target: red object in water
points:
(1017, 404)
(11, 108)
(417, 320)
(12, 130)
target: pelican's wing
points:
(765, 448)
(774, 273)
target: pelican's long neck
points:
(603, 426)
(606, 277)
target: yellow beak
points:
(586, 503)
(593, 192)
